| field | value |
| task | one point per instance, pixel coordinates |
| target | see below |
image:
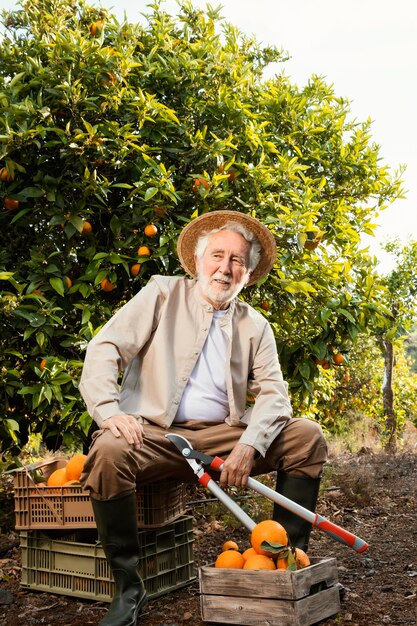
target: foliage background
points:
(124, 125)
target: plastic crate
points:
(81, 570)
(47, 508)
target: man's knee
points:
(300, 449)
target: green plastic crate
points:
(79, 569)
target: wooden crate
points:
(270, 598)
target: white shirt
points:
(205, 395)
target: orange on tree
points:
(259, 561)
(106, 285)
(269, 532)
(338, 358)
(135, 269)
(87, 228)
(6, 176)
(10, 204)
(96, 28)
(144, 251)
(230, 559)
(75, 466)
(68, 281)
(150, 230)
(42, 364)
(58, 478)
(230, 545)
(200, 182)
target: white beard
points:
(220, 293)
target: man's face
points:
(223, 269)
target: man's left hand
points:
(238, 466)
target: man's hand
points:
(126, 426)
(238, 465)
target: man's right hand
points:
(127, 426)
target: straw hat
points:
(202, 225)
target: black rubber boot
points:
(118, 532)
(303, 491)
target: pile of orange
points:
(270, 550)
(69, 474)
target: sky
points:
(366, 49)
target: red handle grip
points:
(340, 534)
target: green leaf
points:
(348, 315)
(150, 193)
(57, 284)
(32, 192)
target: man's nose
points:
(225, 266)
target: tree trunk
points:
(388, 397)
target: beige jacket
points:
(156, 339)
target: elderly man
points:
(190, 350)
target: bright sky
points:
(366, 48)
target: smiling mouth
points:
(223, 283)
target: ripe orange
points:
(259, 561)
(96, 28)
(144, 251)
(5, 175)
(200, 182)
(135, 269)
(270, 531)
(231, 559)
(230, 545)
(10, 204)
(42, 364)
(265, 305)
(58, 478)
(338, 358)
(301, 558)
(106, 285)
(249, 552)
(282, 563)
(75, 466)
(87, 228)
(68, 281)
(150, 230)
(325, 365)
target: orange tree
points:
(109, 127)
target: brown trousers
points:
(114, 468)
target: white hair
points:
(255, 247)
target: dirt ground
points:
(371, 494)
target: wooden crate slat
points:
(278, 584)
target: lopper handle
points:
(340, 534)
(206, 480)
(336, 532)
